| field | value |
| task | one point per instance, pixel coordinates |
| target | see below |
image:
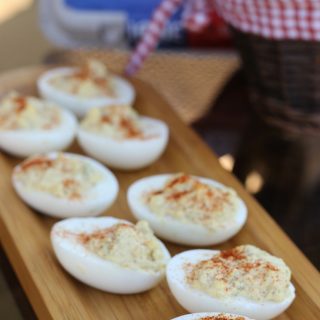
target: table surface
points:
(55, 295)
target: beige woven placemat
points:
(190, 82)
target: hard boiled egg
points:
(29, 125)
(110, 254)
(258, 285)
(79, 89)
(187, 209)
(118, 137)
(211, 316)
(65, 185)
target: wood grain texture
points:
(56, 295)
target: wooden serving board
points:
(54, 294)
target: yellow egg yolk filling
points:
(90, 81)
(244, 271)
(18, 112)
(118, 122)
(186, 199)
(130, 246)
(62, 177)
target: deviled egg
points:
(118, 137)
(110, 254)
(244, 280)
(211, 316)
(187, 209)
(29, 125)
(65, 184)
(79, 89)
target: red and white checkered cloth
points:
(273, 19)
(152, 34)
(196, 14)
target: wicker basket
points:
(189, 81)
(284, 80)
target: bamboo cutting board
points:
(56, 295)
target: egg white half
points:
(197, 301)
(124, 91)
(94, 270)
(127, 154)
(174, 230)
(24, 143)
(200, 315)
(94, 203)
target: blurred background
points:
(23, 43)
(202, 76)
